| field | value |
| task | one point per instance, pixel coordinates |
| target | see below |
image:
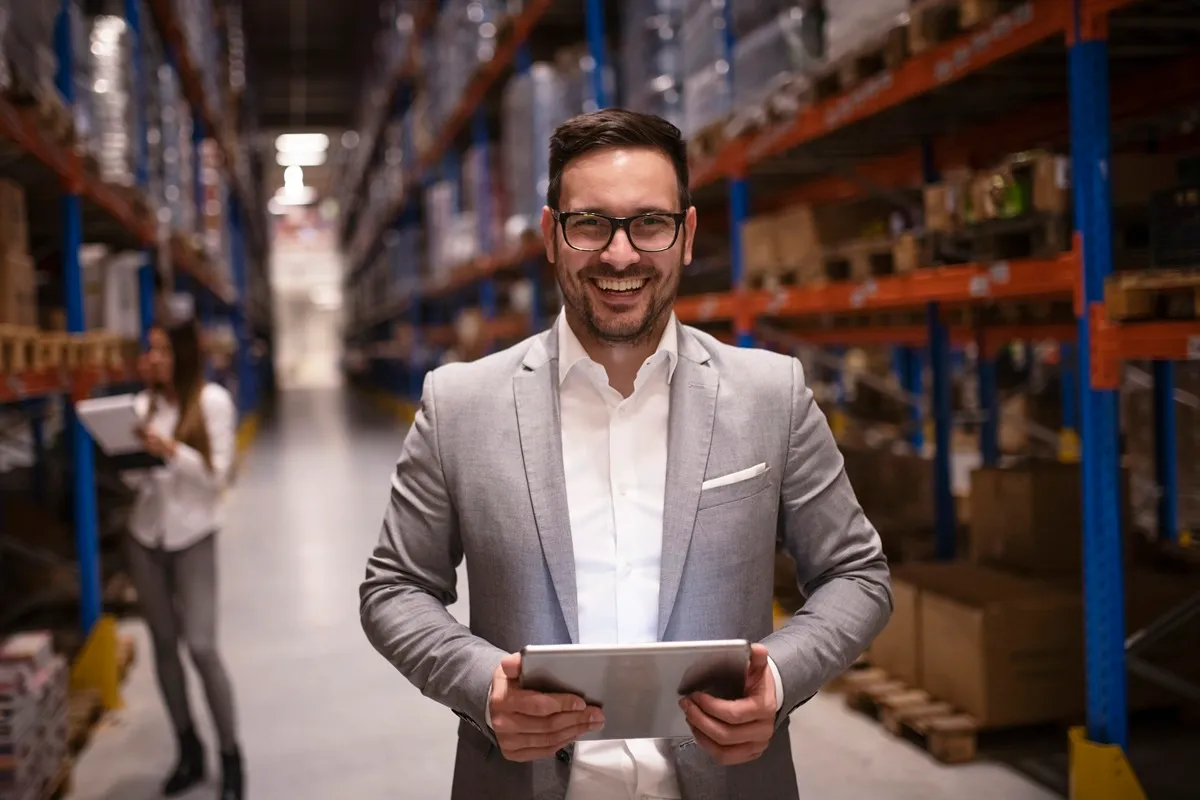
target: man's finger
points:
(729, 756)
(531, 747)
(523, 723)
(733, 712)
(542, 704)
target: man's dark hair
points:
(616, 127)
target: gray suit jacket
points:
(480, 475)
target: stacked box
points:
(491, 209)
(18, 274)
(466, 37)
(651, 57)
(534, 105)
(113, 107)
(33, 716)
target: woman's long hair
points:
(187, 381)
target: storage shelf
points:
(62, 160)
(1113, 343)
(1010, 33)
(477, 89)
(383, 103)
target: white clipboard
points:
(113, 423)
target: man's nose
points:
(620, 251)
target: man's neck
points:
(620, 361)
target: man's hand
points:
(736, 731)
(533, 725)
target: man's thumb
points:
(511, 665)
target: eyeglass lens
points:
(647, 232)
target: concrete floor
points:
(323, 717)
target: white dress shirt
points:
(615, 465)
(177, 504)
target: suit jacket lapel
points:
(538, 419)
(689, 435)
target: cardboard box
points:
(1005, 649)
(1030, 518)
(14, 223)
(760, 254)
(1052, 184)
(18, 291)
(906, 253)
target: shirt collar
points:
(571, 352)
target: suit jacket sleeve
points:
(411, 578)
(840, 565)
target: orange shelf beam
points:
(959, 285)
(1113, 343)
(79, 383)
(995, 336)
(483, 267)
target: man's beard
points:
(577, 299)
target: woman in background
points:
(190, 424)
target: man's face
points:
(620, 294)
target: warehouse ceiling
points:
(307, 59)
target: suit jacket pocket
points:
(738, 490)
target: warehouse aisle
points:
(324, 717)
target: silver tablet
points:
(639, 685)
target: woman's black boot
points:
(189, 771)
(233, 778)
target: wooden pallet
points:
(1037, 235)
(860, 259)
(1153, 295)
(18, 349)
(708, 142)
(947, 735)
(933, 22)
(875, 57)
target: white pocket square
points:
(734, 477)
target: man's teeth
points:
(623, 285)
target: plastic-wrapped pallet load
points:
(33, 710)
(491, 209)
(652, 75)
(577, 68)
(466, 38)
(707, 96)
(27, 42)
(767, 57)
(112, 102)
(534, 105)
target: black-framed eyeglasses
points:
(649, 233)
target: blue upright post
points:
(1165, 453)
(243, 362)
(989, 406)
(596, 47)
(939, 362)
(533, 267)
(914, 384)
(739, 207)
(1104, 590)
(87, 535)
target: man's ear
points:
(689, 234)
(548, 232)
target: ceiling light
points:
(296, 195)
(293, 175)
(313, 159)
(350, 140)
(302, 143)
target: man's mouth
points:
(620, 286)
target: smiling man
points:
(620, 478)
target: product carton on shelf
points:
(1029, 518)
(18, 290)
